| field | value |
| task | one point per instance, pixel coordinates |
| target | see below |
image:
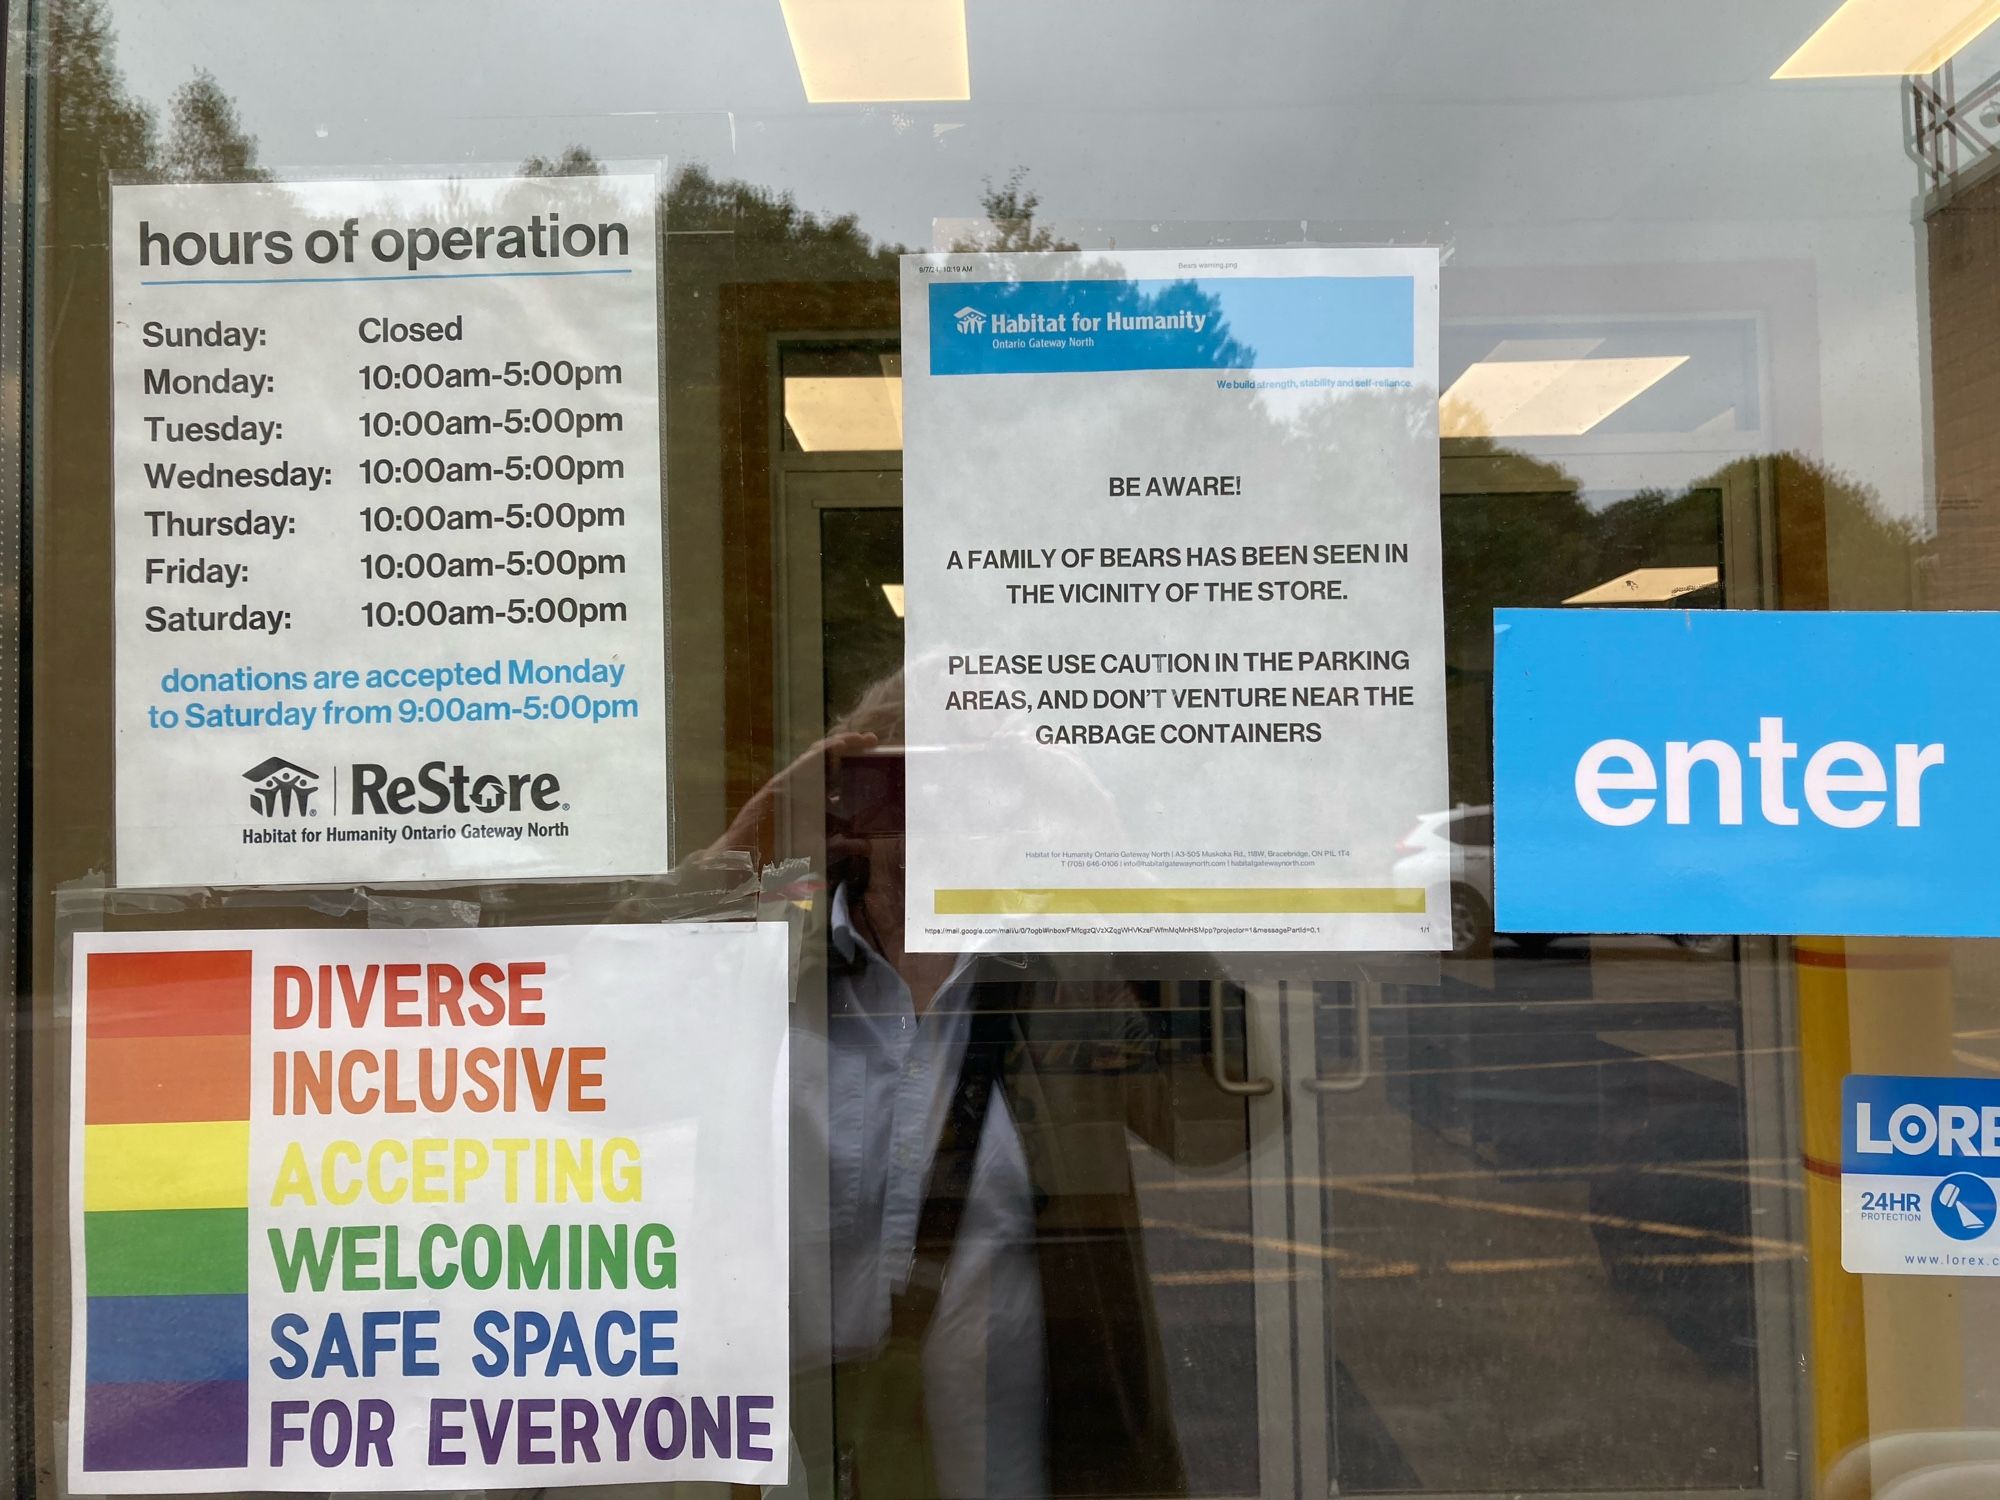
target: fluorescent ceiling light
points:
(893, 592)
(1649, 586)
(1560, 393)
(879, 51)
(1888, 38)
(845, 413)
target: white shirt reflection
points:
(890, 1074)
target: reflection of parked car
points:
(1450, 854)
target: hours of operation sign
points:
(389, 560)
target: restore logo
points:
(441, 788)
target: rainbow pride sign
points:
(428, 1209)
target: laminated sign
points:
(428, 1209)
(387, 510)
(1919, 1161)
(1175, 674)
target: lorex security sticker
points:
(1920, 1159)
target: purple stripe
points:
(167, 1425)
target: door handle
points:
(1247, 1088)
(1364, 1035)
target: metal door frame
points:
(19, 107)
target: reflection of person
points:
(989, 1321)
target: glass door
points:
(1511, 1221)
(1559, 1250)
(1184, 1216)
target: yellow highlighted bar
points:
(1170, 901)
(203, 1165)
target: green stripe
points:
(167, 1252)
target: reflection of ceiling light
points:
(1649, 586)
(893, 592)
(1517, 349)
(845, 413)
(1563, 397)
(879, 51)
(1885, 38)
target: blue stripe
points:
(1217, 323)
(155, 1339)
(397, 276)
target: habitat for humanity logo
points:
(281, 789)
(970, 320)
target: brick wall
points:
(1964, 251)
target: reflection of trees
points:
(695, 202)
(1862, 557)
(90, 113)
(1533, 542)
(97, 130)
(767, 224)
(829, 247)
(1534, 545)
(575, 161)
(1010, 218)
(205, 139)
(102, 128)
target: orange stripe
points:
(1820, 1168)
(170, 994)
(148, 1080)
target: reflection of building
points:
(280, 789)
(1962, 234)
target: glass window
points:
(1530, 1213)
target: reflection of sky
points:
(1537, 133)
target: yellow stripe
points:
(205, 1165)
(1083, 901)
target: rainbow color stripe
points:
(166, 1185)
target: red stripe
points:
(195, 993)
(1926, 958)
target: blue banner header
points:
(1221, 323)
